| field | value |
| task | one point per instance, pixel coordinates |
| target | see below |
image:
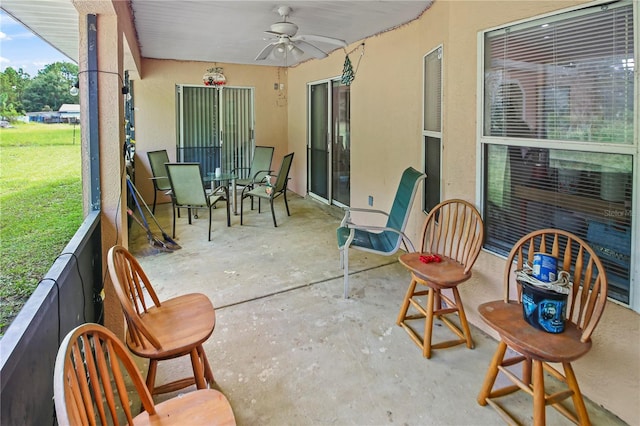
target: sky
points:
(20, 48)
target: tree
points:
(51, 87)
(12, 85)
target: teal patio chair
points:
(259, 170)
(385, 240)
(267, 192)
(189, 192)
(157, 160)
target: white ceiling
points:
(221, 31)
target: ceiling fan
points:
(285, 41)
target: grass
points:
(40, 206)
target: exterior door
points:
(215, 127)
(329, 142)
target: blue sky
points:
(20, 48)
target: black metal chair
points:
(189, 192)
(157, 160)
(268, 192)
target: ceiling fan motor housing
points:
(288, 28)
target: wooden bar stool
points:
(92, 385)
(162, 330)
(536, 348)
(451, 241)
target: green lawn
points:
(40, 206)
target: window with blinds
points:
(432, 127)
(558, 139)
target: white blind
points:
(563, 78)
(433, 91)
(569, 77)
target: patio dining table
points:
(229, 181)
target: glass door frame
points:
(330, 136)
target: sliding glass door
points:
(329, 142)
(215, 127)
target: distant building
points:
(67, 113)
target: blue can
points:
(544, 267)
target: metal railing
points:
(68, 296)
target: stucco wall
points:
(386, 111)
(155, 108)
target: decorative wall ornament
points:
(348, 74)
(214, 77)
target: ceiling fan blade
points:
(313, 51)
(265, 52)
(274, 33)
(323, 39)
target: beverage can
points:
(544, 267)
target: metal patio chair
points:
(384, 240)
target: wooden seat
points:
(453, 232)
(91, 353)
(159, 331)
(536, 348)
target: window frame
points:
(632, 149)
(432, 134)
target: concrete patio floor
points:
(289, 350)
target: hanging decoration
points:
(348, 74)
(214, 77)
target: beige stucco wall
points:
(386, 112)
(155, 108)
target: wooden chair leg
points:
(492, 373)
(198, 371)
(578, 401)
(428, 322)
(539, 405)
(405, 305)
(151, 375)
(526, 371)
(208, 374)
(463, 318)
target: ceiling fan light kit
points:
(287, 42)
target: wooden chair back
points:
(454, 229)
(90, 379)
(135, 293)
(588, 295)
